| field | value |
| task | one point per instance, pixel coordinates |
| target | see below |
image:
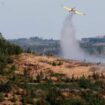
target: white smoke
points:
(70, 46)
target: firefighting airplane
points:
(74, 10)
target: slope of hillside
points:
(38, 63)
(33, 79)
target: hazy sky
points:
(44, 18)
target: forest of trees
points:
(6, 50)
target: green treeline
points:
(6, 50)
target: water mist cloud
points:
(70, 46)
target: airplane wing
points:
(69, 9)
(79, 13)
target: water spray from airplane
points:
(69, 45)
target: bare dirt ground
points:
(37, 63)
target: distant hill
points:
(39, 45)
(52, 47)
(94, 45)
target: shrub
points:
(73, 101)
(96, 76)
(92, 99)
(54, 97)
(13, 68)
(5, 87)
(39, 102)
(84, 83)
(14, 99)
(57, 63)
(1, 96)
(24, 101)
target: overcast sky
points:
(44, 18)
